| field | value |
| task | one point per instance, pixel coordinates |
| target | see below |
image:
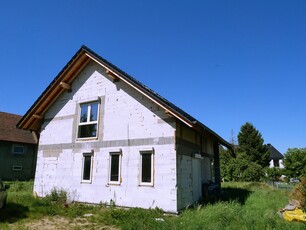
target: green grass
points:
(242, 206)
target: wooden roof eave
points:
(167, 109)
(33, 119)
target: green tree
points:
(273, 174)
(251, 146)
(225, 159)
(295, 162)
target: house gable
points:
(116, 101)
(32, 120)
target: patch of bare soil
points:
(59, 222)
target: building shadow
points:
(239, 195)
(13, 213)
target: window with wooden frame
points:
(87, 167)
(19, 149)
(147, 168)
(88, 120)
(115, 167)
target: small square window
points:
(19, 149)
(87, 167)
(88, 120)
(146, 169)
(17, 168)
(115, 168)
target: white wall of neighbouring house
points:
(128, 123)
(280, 163)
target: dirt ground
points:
(58, 222)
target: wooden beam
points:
(65, 85)
(167, 112)
(112, 75)
(37, 116)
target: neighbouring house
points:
(106, 137)
(18, 149)
(276, 158)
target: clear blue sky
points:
(224, 62)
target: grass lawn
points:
(243, 206)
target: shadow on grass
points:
(13, 212)
(235, 194)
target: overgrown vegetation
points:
(299, 194)
(242, 206)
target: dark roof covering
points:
(9, 132)
(274, 153)
(134, 82)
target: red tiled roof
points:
(9, 132)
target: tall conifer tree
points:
(251, 145)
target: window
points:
(87, 167)
(115, 168)
(88, 122)
(18, 149)
(276, 163)
(146, 169)
(17, 168)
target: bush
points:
(242, 170)
(58, 196)
(273, 174)
(299, 193)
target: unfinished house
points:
(106, 137)
(17, 149)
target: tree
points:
(273, 174)
(295, 162)
(225, 160)
(250, 157)
(251, 146)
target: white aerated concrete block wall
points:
(130, 123)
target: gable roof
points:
(274, 153)
(32, 119)
(9, 131)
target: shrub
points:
(57, 196)
(299, 193)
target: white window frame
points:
(88, 122)
(19, 146)
(151, 183)
(17, 168)
(91, 155)
(118, 182)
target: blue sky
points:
(224, 62)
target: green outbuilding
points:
(18, 149)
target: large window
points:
(87, 167)
(88, 122)
(115, 168)
(146, 169)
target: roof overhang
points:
(32, 120)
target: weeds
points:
(242, 206)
